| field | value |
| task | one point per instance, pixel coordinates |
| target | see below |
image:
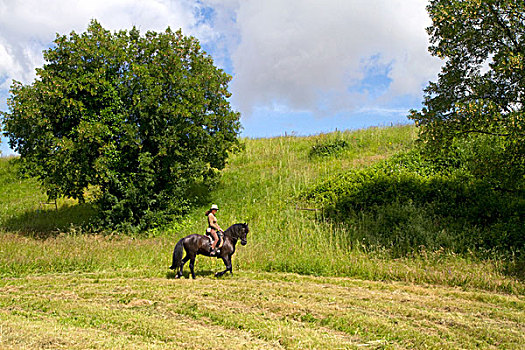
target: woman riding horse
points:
(213, 227)
(199, 244)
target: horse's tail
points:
(177, 254)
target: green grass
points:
(300, 283)
(24, 206)
(259, 186)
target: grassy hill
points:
(301, 282)
(262, 185)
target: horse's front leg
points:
(228, 262)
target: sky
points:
(299, 67)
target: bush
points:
(407, 202)
(328, 148)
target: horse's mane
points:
(234, 230)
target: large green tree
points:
(479, 95)
(142, 120)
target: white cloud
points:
(313, 55)
(319, 56)
(29, 26)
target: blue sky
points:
(299, 67)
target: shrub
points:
(407, 202)
(328, 148)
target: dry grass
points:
(251, 311)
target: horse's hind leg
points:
(192, 265)
(179, 274)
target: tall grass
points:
(406, 202)
(259, 186)
(24, 206)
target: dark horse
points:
(199, 244)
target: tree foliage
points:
(142, 120)
(479, 96)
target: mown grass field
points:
(298, 284)
(129, 309)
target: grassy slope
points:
(24, 206)
(78, 291)
(258, 187)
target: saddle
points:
(219, 234)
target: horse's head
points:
(238, 231)
(243, 233)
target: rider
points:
(213, 227)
